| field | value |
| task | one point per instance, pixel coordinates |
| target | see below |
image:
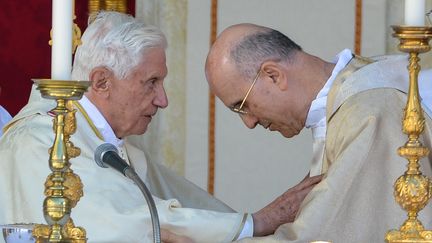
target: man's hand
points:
(284, 208)
(169, 237)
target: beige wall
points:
(165, 139)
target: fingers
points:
(301, 194)
(308, 181)
(316, 179)
(284, 208)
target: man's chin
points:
(289, 133)
(140, 131)
(143, 131)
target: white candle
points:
(61, 50)
(414, 12)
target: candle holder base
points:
(396, 236)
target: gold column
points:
(412, 190)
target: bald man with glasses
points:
(353, 106)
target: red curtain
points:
(24, 49)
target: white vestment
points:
(112, 208)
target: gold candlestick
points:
(412, 190)
(63, 188)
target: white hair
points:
(116, 41)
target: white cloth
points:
(316, 118)
(104, 128)
(5, 117)
(112, 208)
(248, 228)
(108, 134)
(100, 122)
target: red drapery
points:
(24, 49)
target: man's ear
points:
(100, 80)
(275, 71)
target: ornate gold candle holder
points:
(63, 188)
(412, 190)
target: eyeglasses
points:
(238, 108)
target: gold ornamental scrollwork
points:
(69, 129)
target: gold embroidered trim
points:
(89, 121)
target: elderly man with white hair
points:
(125, 61)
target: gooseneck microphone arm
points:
(106, 155)
(131, 174)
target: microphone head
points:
(101, 150)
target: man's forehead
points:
(154, 56)
(227, 87)
(220, 73)
(151, 64)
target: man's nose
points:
(161, 99)
(249, 120)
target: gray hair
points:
(254, 49)
(116, 41)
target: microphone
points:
(106, 155)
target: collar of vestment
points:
(355, 64)
(381, 72)
(98, 122)
(316, 118)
